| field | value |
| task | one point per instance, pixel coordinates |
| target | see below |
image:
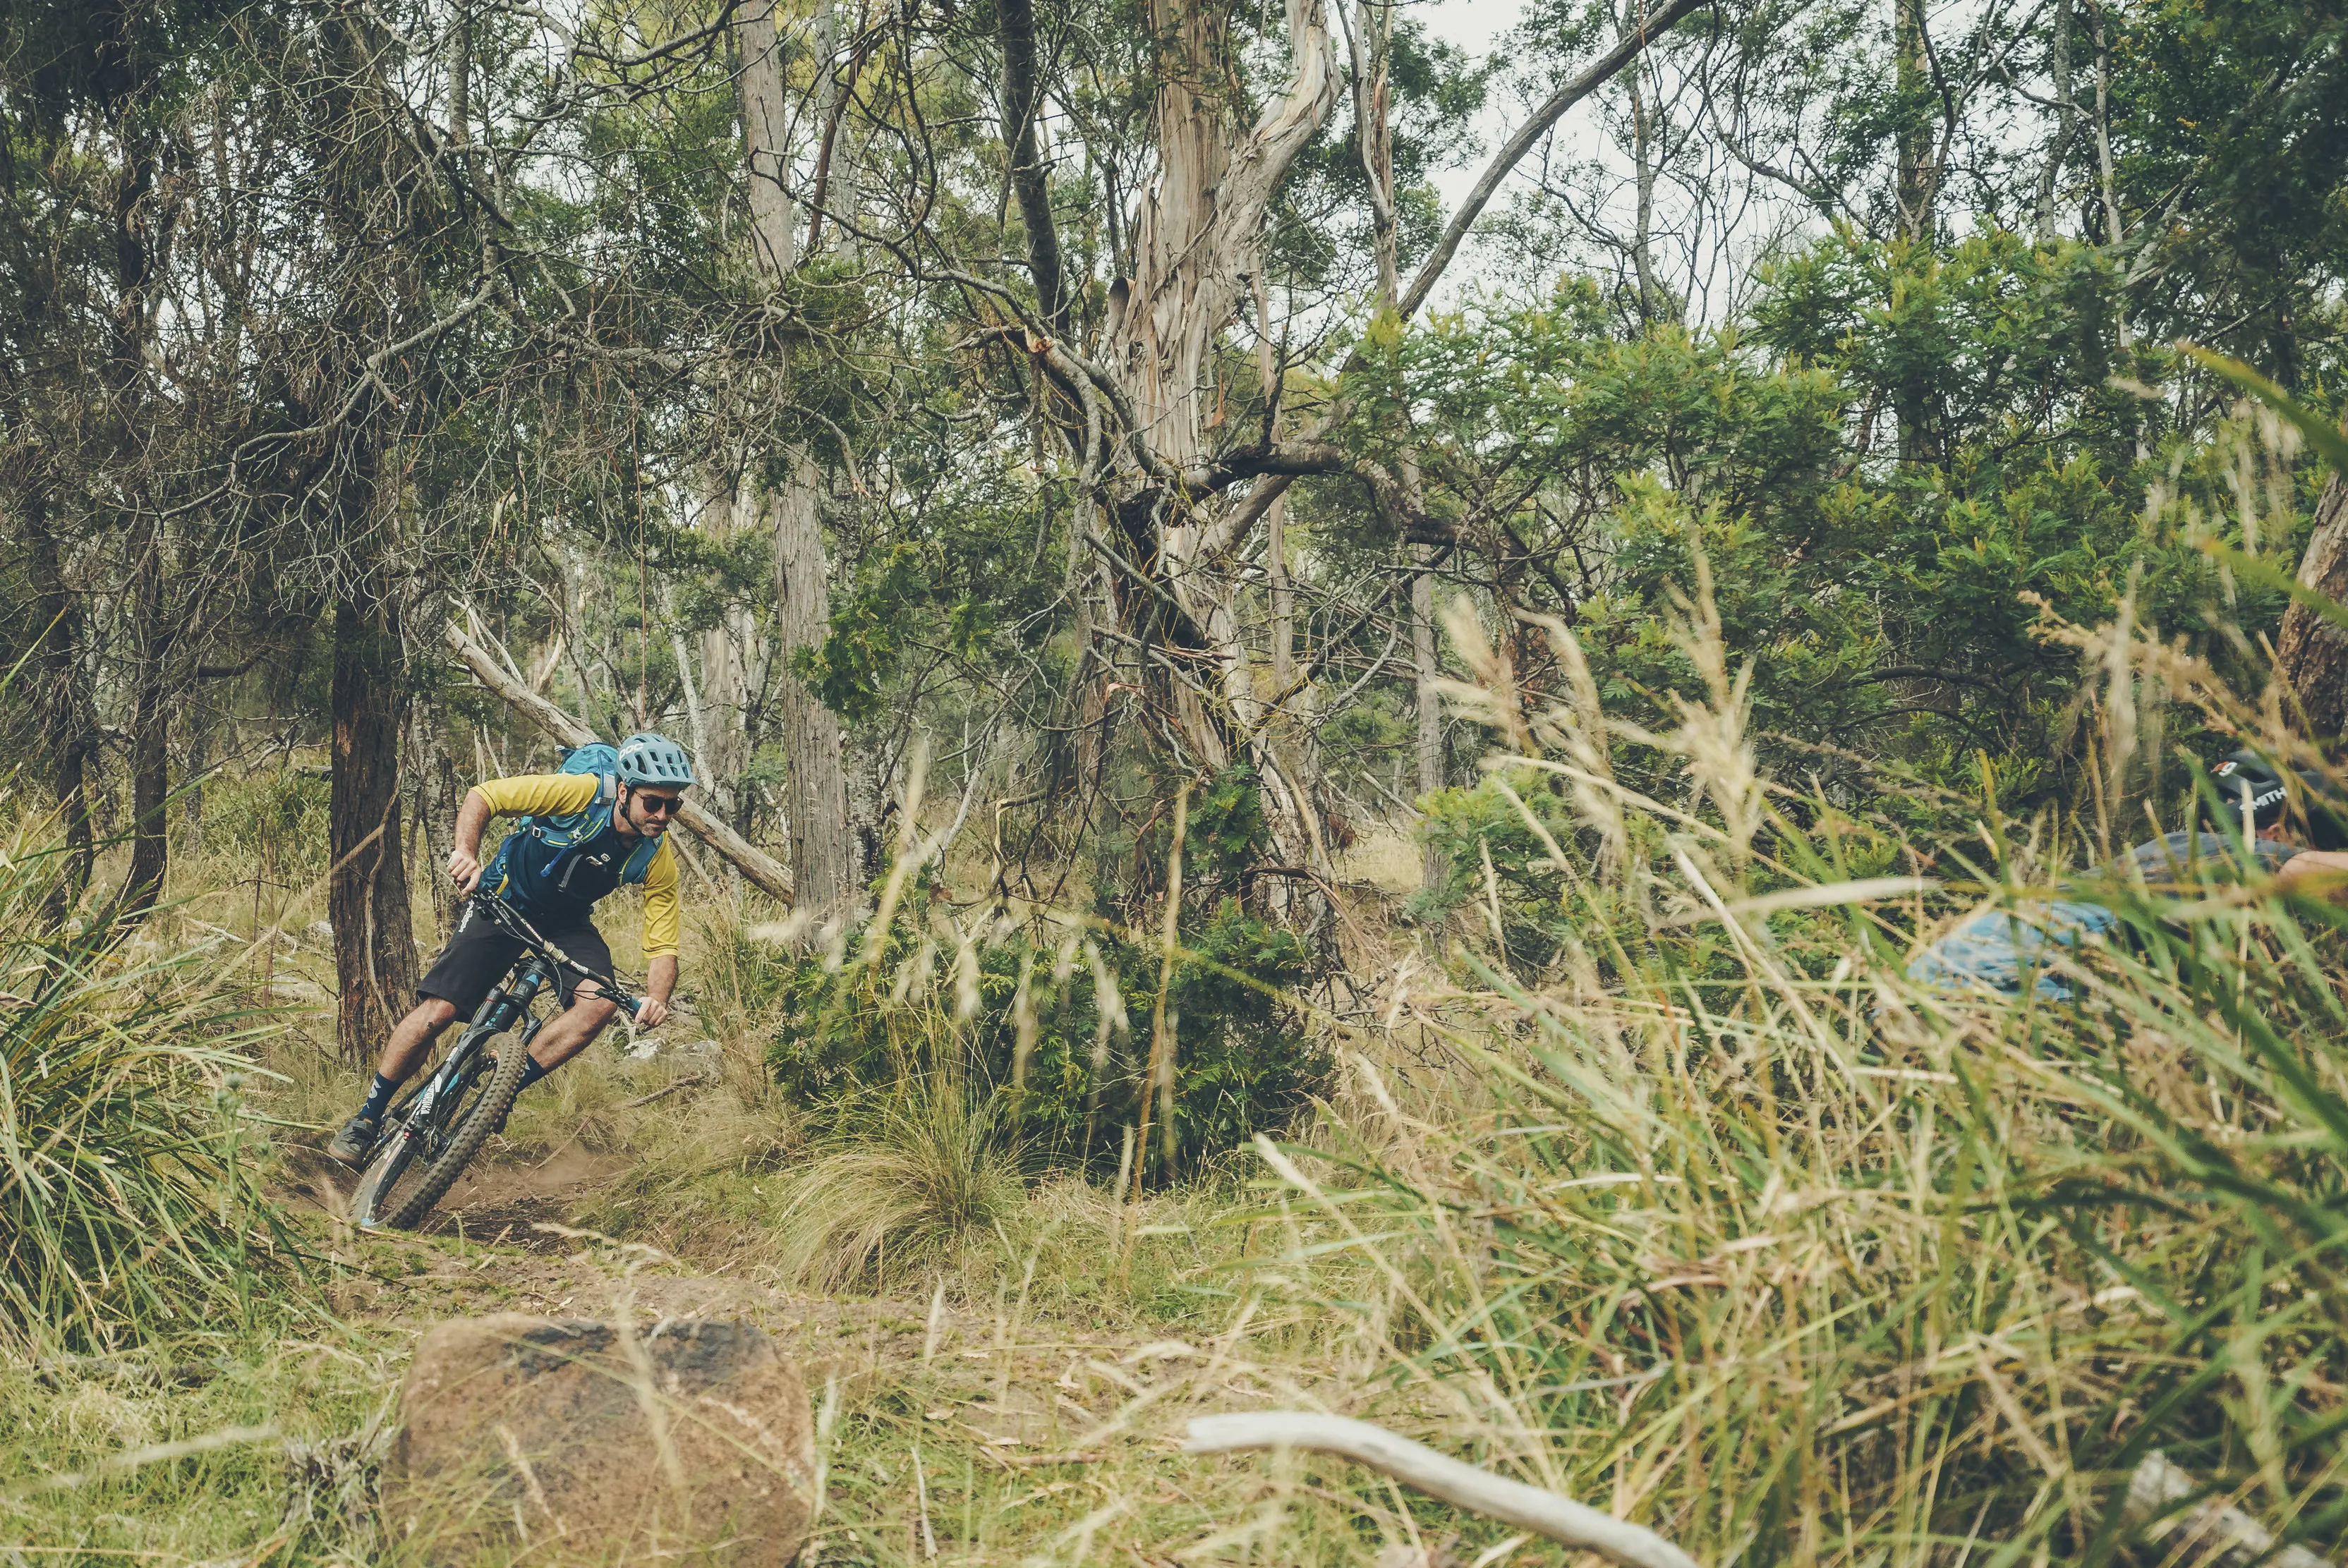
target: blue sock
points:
(378, 1100)
(531, 1073)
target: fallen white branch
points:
(1545, 1513)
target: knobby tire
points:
(486, 1114)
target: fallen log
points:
(1561, 1519)
(763, 870)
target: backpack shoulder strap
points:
(639, 864)
(607, 791)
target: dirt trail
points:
(504, 1242)
(1030, 1425)
(502, 1201)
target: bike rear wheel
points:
(405, 1181)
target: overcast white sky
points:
(1476, 26)
(1710, 267)
(1470, 24)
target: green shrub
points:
(275, 819)
(1244, 1063)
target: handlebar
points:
(514, 924)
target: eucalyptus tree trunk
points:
(62, 695)
(724, 688)
(367, 897)
(2066, 122)
(1643, 161)
(1913, 75)
(142, 231)
(823, 860)
(150, 728)
(380, 297)
(1197, 238)
(1372, 93)
(2310, 652)
(1427, 750)
(1915, 400)
(433, 797)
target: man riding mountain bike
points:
(583, 834)
(2256, 828)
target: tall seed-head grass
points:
(898, 1194)
(127, 1197)
(1811, 1263)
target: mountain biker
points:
(553, 879)
(1992, 948)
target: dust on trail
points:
(506, 1202)
(496, 1201)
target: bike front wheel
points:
(407, 1179)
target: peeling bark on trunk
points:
(1197, 238)
(366, 900)
(823, 863)
(2311, 654)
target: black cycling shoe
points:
(355, 1142)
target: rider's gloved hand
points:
(463, 870)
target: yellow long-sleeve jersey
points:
(560, 795)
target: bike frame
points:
(532, 974)
(497, 1013)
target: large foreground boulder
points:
(531, 1440)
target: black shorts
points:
(478, 955)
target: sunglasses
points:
(658, 804)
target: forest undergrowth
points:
(1673, 1195)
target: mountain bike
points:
(434, 1131)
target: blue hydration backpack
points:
(535, 863)
(598, 757)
